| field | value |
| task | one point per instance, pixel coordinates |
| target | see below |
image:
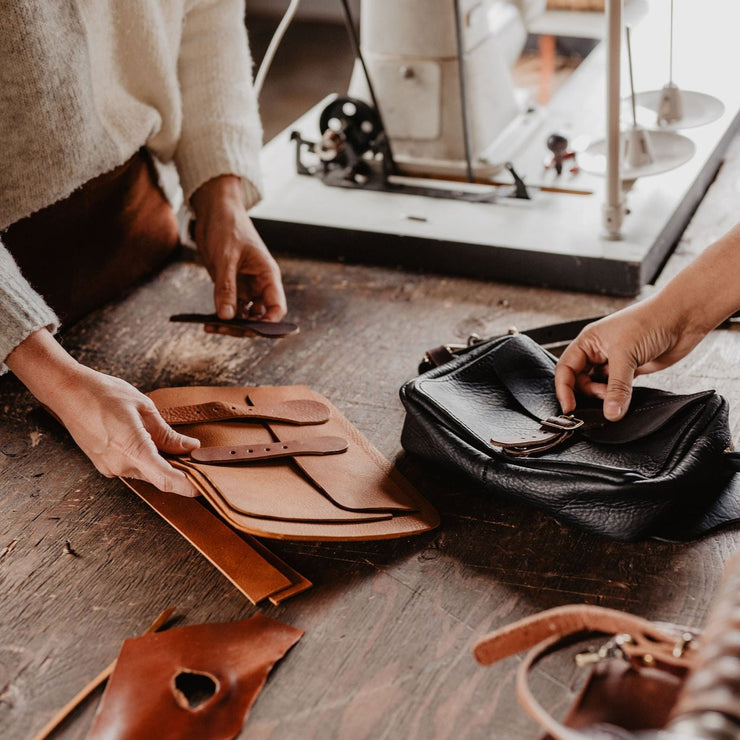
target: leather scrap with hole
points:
(190, 683)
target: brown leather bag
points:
(352, 493)
(97, 243)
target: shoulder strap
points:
(544, 632)
(551, 336)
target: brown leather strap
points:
(249, 453)
(563, 621)
(544, 631)
(287, 412)
(245, 566)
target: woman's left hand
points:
(246, 277)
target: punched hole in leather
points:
(193, 689)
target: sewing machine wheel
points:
(355, 119)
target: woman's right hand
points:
(115, 425)
(607, 355)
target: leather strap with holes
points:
(287, 412)
(248, 453)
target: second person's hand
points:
(604, 359)
(247, 281)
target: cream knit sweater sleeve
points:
(85, 83)
(221, 131)
(22, 310)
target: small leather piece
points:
(288, 412)
(248, 508)
(624, 695)
(241, 559)
(190, 683)
(248, 453)
(355, 495)
(357, 480)
(270, 329)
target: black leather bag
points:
(664, 471)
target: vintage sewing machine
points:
(434, 159)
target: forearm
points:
(707, 291)
(43, 366)
(219, 192)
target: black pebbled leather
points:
(661, 472)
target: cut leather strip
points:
(293, 501)
(246, 568)
(290, 412)
(191, 683)
(299, 582)
(270, 451)
(271, 329)
(356, 480)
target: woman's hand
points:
(246, 278)
(115, 425)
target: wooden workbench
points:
(389, 626)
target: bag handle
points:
(635, 638)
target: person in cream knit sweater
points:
(86, 86)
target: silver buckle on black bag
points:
(562, 423)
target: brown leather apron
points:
(94, 245)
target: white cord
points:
(277, 37)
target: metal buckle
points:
(563, 423)
(610, 649)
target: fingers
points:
(573, 363)
(619, 386)
(275, 305)
(151, 467)
(165, 438)
(225, 287)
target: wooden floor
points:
(389, 626)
